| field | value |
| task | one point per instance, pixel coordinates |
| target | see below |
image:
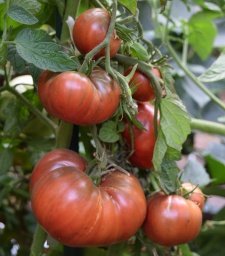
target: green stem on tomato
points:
(208, 126)
(146, 69)
(71, 9)
(89, 56)
(193, 77)
(39, 238)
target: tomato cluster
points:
(65, 201)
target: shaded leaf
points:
(35, 47)
(21, 15)
(216, 72)
(6, 159)
(108, 132)
(131, 5)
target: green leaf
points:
(169, 176)
(195, 172)
(131, 5)
(174, 122)
(124, 33)
(6, 158)
(202, 32)
(108, 132)
(137, 50)
(159, 151)
(185, 250)
(216, 72)
(32, 6)
(21, 15)
(35, 47)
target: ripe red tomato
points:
(90, 29)
(195, 195)
(77, 99)
(144, 140)
(172, 219)
(143, 90)
(76, 212)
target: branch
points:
(33, 109)
(193, 77)
(208, 126)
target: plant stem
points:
(70, 10)
(39, 238)
(90, 55)
(193, 77)
(208, 126)
(33, 109)
(64, 134)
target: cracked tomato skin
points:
(195, 195)
(172, 220)
(143, 89)
(144, 140)
(78, 99)
(90, 29)
(76, 212)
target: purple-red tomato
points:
(76, 212)
(143, 139)
(143, 89)
(172, 219)
(77, 99)
(90, 29)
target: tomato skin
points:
(172, 219)
(77, 213)
(56, 159)
(142, 85)
(77, 99)
(90, 29)
(196, 195)
(144, 140)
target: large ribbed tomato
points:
(76, 212)
(143, 90)
(143, 140)
(172, 219)
(90, 29)
(77, 99)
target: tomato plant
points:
(141, 142)
(172, 219)
(85, 214)
(64, 84)
(90, 29)
(75, 98)
(141, 85)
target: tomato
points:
(195, 195)
(76, 212)
(172, 219)
(77, 99)
(143, 140)
(143, 90)
(90, 29)
(56, 159)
